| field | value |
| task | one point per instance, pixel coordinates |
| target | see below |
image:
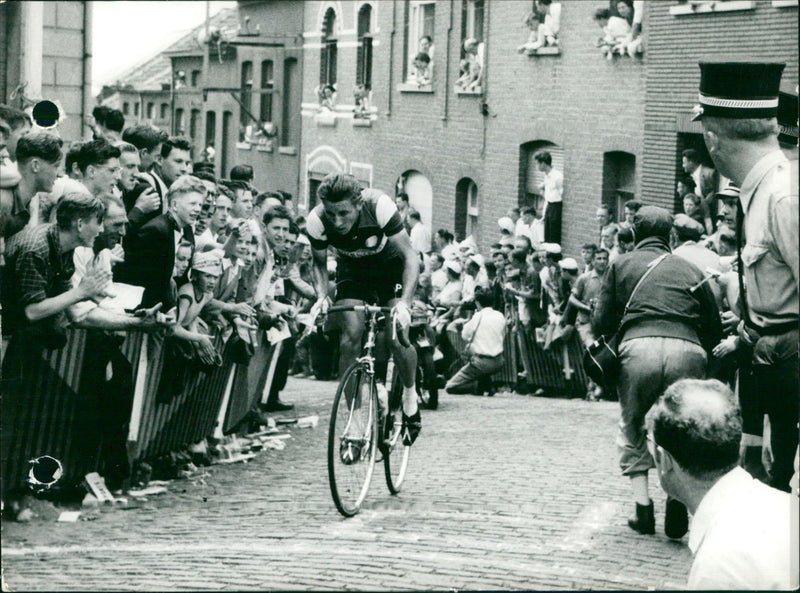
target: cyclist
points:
(374, 255)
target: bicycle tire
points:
(351, 456)
(427, 388)
(395, 453)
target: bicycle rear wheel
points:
(395, 453)
(352, 439)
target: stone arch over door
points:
(320, 162)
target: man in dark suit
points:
(150, 252)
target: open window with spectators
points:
(420, 25)
(543, 22)
(326, 90)
(471, 64)
(619, 181)
(620, 29)
(362, 93)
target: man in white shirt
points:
(484, 333)
(419, 234)
(552, 188)
(743, 533)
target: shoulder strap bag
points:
(601, 360)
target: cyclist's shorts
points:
(369, 279)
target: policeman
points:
(738, 109)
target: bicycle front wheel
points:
(395, 453)
(352, 439)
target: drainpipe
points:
(447, 65)
(485, 100)
(391, 58)
(86, 89)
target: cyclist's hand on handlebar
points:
(402, 314)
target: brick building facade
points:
(614, 127)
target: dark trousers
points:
(552, 222)
(114, 402)
(778, 388)
(285, 359)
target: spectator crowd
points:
(136, 236)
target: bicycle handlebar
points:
(359, 308)
(401, 336)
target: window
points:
(195, 78)
(364, 49)
(267, 84)
(224, 156)
(164, 111)
(179, 124)
(420, 25)
(472, 47)
(246, 99)
(290, 124)
(126, 108)
(194, 117)
(619, 181)
(211, 128)
(466, 222)
(531, 178)
(327, 72)
(136, 109)
(151, 110)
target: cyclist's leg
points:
(351, 327)
(406, 363)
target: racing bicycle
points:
(361, 425)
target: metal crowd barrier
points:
(55, 410)
(559, 370)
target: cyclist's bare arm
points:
(402, 243)
(320, 272)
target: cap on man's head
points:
(688, 228)
(568, 264)
(506, 224)
(651, 221)
(453, 265)
(477, 259)
(731, 192)
(739, 90)
(553, 248)
(787, 118)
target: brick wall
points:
(577, 100)
(675, 44)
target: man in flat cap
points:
(685, 242)
(738, 110)
(667, 321)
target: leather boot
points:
(645, 520)
(676, 519)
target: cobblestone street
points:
(510, 492)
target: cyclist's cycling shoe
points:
(349, 451)
(412, 425)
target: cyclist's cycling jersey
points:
(377, 220)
